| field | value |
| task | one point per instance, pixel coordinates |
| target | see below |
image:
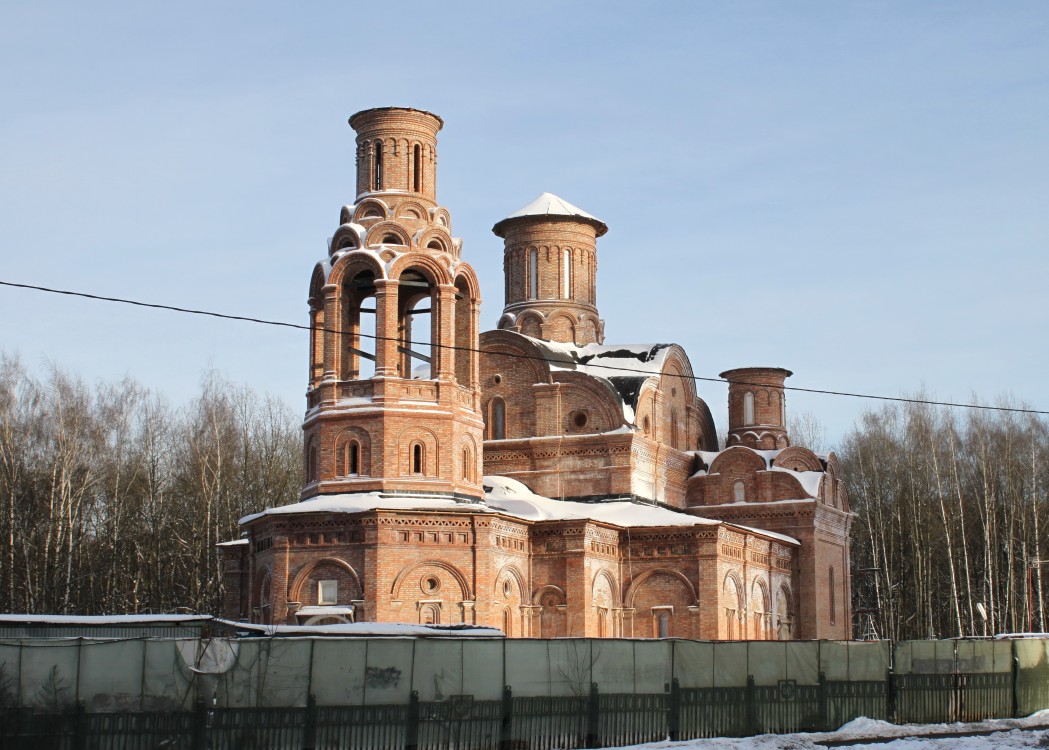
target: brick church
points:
(533, 478)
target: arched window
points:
(430, 615)
(508, 621)
(353, 458)
(739, 492)
(566, 274)
(497, 419)
(533, 274)
(748, 408)
(377, 167)
(417, 458)
(466, 465)
(417, 167)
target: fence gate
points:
(949, 681)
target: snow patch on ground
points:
(881, 735)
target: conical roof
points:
(550, 205)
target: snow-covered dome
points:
(550, 205)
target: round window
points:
(430, 584)
(498, 379)
(579, 419)
(508, 588)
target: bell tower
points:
(550, 268)
(393, 400)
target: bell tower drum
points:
(393, 400)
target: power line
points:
(617, 368)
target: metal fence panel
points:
(850, 700)
(361, 727)
(460, 722)
(627, 719)
(713, 712)
(272, 728)
(544, 723)
(786, 707)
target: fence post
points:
(890, 695)
(752, 706)
(674, 714)
(309, 734)
(200, 724)
(592, 715)
(411, 731)
(824, 703)
(506, 728)
(80, 726)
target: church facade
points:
(532, 478)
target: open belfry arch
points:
(534, 478)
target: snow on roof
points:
(625, 367)
(513, 498)
(232, 543)
(362, 502)
(769, 534)
(809, 480)
(322, 610)
(549, 204)
(507, 497)
(394, 629)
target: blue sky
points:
(858, 192)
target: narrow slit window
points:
(533, 274)
(417, 165)
(377, 167)
(417, 458)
